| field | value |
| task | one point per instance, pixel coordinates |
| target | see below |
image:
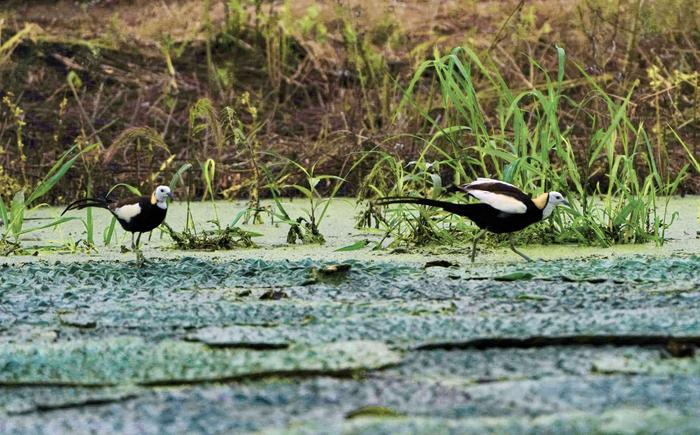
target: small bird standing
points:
(503, 209)
(136, 215)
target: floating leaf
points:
(372, 411)
(514, 276)
(354, 247)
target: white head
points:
(553, 199)
(160, 196)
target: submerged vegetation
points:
(301, 135)
(266, 101)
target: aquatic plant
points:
(221, 237)
(245, 135)
(525, 145)
(304, 229)
(14, 216)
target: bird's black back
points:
(146, 220)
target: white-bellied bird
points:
(139, 214)
(503, 208)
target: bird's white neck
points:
(548, 209)
(160, 203)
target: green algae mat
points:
(214, 346)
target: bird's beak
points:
(170, 195)
(566, 203)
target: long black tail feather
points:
(477, 212)
(87, 202)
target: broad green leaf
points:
(313, 182)
(304, 191)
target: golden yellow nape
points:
(540, 201)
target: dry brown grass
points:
(318, 95)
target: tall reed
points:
(614, 187)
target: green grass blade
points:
(134, 190)
(90, 226)
(55, 174)
(3, 214)
(17, 208)
(360, 244)
(51, 224)
(108, 233)
(238, 217)
(176, 180)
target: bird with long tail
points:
(503, 208)
(139, 214)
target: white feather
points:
(498, 201)
(127, 212)
(480, 180)
(548, 209)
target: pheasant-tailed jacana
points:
(136, 215)
(503, 208)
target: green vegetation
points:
(278, 126)
(228, 237)
(614, 183)
(300, 100)
(13, 216)
(305, 229)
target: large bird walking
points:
(503, 208)
(136, 215)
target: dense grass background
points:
(253, 84)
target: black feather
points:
(87, 202)
(483, 215)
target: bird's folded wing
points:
(128, 211)
(484, 181)
(499, 195)
(499, 201)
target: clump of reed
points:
(14, 216)
(617, 192)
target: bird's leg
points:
(132, 242)
(512, 247)
(479, 235)
(139, 255)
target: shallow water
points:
(276, 339)
(338, 227)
